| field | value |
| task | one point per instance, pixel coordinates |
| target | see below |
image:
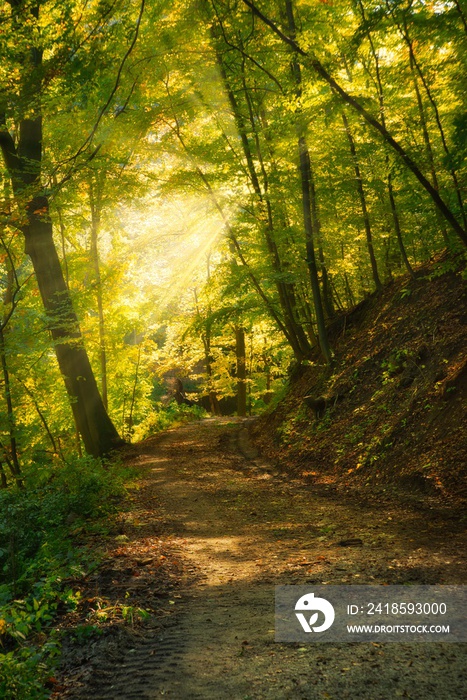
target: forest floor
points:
(209, 529)
(394, 415)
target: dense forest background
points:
(200, 187)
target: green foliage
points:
(35, 521)
(82, 634)
(37, 553)
(188, 217)
(394, 364)
(163, 417)
(24, 672)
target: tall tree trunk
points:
(299, 342)
(396, 220)
(337, 298)
(213, 400)
(306, 183)
(133, 393)
(325, 283)
(307, 313)
(361, 194)
(310, 251)
(97, 430)
(348, 290)
(9, 301)
(14, 462)
(95, 202)
(240, 353)
(428, 146)
(3, 479)
(206, 339)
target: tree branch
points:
(318, 67)
(106, 105)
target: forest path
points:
(240, 529)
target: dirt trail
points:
(240, 529)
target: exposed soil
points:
(210, 531)
(391, 413)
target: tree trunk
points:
(133, 393)
(7, 300)
(348, 290)
(306, 182)
(361, 194)
(325, 283)
(428, 146)
(3, 479)
(213, 400)
(397, 227)
(206, 338)
(97, 430)
(310, 251)
(241, 370)
(298, 340)
(95, 226)
(14, 464)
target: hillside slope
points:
(391, 414)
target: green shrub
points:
(37, 553)
(23, 673)
(34, 522)
(164, 417)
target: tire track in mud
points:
(245, 529)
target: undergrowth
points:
(37, 556)
(163, 417)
